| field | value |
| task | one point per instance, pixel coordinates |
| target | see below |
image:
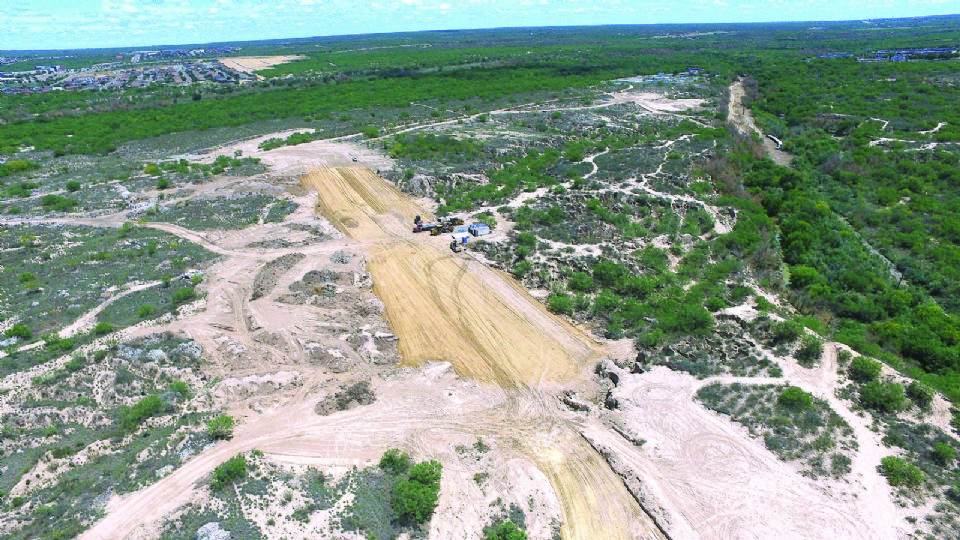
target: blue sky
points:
(54, 24)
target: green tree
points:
(864, 370)
(395, 462)
(102, 328)
(415, 497)
(785, 331)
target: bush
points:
(900, 473)
(864, 370)
(581, 282)
(395, 462)
(415, 498)
(560, 303)
(220, 427)
(229, 472)
(505, 531)
(795, 399)
(152, 170)
(883, 397)
(810, 350)
(102, 328)
(163, 183)
(943, 454)
(132, 417)
(184, 294)
(19, 330)
(73, 186)
(920, 394)
(785, 331)
(146, 311)
(714, 304)
(181, 388)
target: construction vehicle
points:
(421, 226)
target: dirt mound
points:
(355, 395)
(269, 275)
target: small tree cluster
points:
(416, 488)
(900, 473)
(229, 472)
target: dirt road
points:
(742, 118)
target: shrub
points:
(163, 183)
(900, 473)
(229, 472)
(943, 454)
(581, 282)
(184, 294)
(371, 132)
(714, 304)
(73, 186)
(152, 170)
(507, 530)
(395, 462)
(785, 331)
(220, 427)
(527, 239)
(57, 203)
(864, 370)
(180, 387)
(883, 397)
(795, 399)
(19, 330)
(415, 498)
(810, 350)
(521, 269)
(146, 311)
(132, 417)
(560, 303)
(920, 394)
(102, 328)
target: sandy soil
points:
(251, 64)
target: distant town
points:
(137, 69)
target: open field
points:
(252, 64)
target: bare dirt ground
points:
(251, 64)
(743, 119)
(492, 363)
